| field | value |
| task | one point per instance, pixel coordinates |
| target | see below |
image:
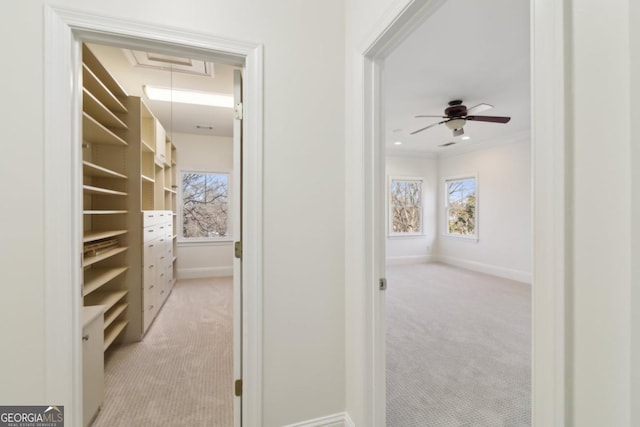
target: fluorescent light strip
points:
(188, 97)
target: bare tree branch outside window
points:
(205, 205)
(461, 206)
(405, 206)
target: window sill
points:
(194, 243)
(406, 236)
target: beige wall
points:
(303, 359)
(201, 153)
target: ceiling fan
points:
(456, 116)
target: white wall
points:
(503, 211)
(202, 153)
(303, 289)
(634, 16)
(402, 249)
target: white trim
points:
(203, 272)
(62, 203)
(341, 419)
(480, 267)
(410, 259)
(549, 28)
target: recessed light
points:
(397, 143)
(188, 97)
(466, 137)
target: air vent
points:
(159, 61)
(206, 127)
(447, 144)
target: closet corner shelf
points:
(106, 298)
(91, 236)
(104, 212)
(96, 133)
(100, 112)
(147, 179)
(114, 313)
(102, 191)
(91, 169)
(168, 190)
(95, 277)
(146, 147)
(87, 261)
(112, 333)
(100, 91)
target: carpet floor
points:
(458, 348)
(181, 373)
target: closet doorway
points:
(162, 182)
(65, 163)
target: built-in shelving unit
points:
(106, 198)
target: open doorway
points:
(160, 217)
(63, 205)
(458, 231)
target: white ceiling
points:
(476, 51)
(179, 118)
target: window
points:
(461, 204)
(405, 206)
(205, 206)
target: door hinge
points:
(382, 284)
(238, 111)
(238, 249)
(238, 388)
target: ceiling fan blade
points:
(440, 117)
(492, 119)
(425, 128)
(479, 108)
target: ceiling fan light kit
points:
(457, 114)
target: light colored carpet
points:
(181, 373)
(458, 348)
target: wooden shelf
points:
(94, 259)
(113, 331)
(146, 147)
(104, 212)
(102, 191)
(94, 132)
(91, 169)
(106, 298)
(147, 179)
(90, 236)
(91, 82)
(114, 313)
(100, 112)
(168, 190)
(95, 278)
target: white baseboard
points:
(494, 270)
(412, 259)
(341, 419)
(201, 272)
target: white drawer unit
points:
(157, 263)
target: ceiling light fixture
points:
(183, 96)
(466, 137)
(397, 143)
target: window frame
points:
(185, 241)
(396, 234)
(463, 177)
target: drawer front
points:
(150, 233)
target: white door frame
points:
(63, 200)
(549, 104)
